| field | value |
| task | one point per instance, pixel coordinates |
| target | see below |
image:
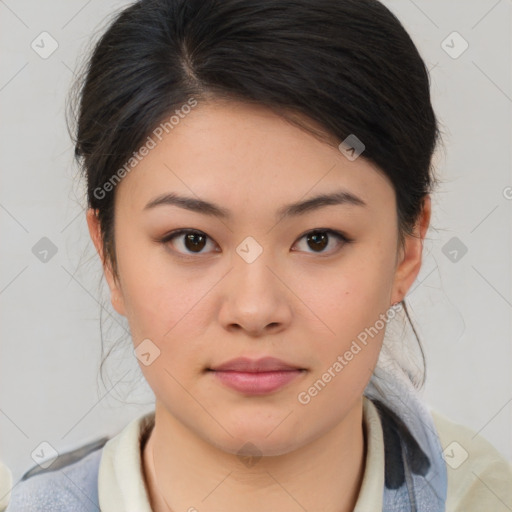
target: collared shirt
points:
(479, 478)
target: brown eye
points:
(187, 241)
(319, 239)
(194, 241)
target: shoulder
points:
(5, 485)
(479, 477)
(70, 483)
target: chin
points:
(255, 440)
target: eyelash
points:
(175, 234)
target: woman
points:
(259, 177)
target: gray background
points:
(50, 311)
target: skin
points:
(300, 303)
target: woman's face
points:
(254, 283)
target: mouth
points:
(256, 377)
(262, 365)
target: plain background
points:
(50, 311)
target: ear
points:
(116, 295)
(410, 259)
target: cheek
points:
(352, 297)
(348, 357)
(157, 295)
(175, 321)
(170, 308)
(354, 313)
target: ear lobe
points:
(411, 255)
(94, 226)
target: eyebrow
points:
(341, 197)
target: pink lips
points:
(258, 376)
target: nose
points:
(256, 298)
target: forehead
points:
(246, 155)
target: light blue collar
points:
(415, 470)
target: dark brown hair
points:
(347, 65)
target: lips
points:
(256, 376)
(246, 365)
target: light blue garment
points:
(415, 470)
(73, 488)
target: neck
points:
(184, 472)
